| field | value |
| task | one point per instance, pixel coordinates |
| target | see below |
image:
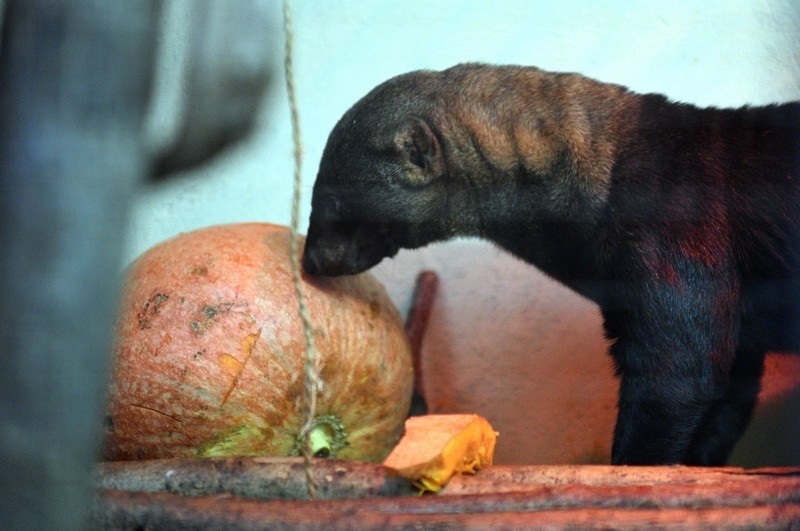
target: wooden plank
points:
(520, 478)
(129, 510)
(283, 477)
(251, 477)
(248, 493)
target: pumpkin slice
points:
(435, 447)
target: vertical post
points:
(416, 326)
(74, 83)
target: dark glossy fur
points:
(680, 222)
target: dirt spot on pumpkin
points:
(150, 310)
(199, 270)
(374, 309)
(208, 315)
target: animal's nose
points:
(310, 262)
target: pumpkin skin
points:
(210, 352)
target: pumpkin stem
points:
(326, 437)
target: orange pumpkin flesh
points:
(210, 352)
(435, 447)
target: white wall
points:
(504, 340)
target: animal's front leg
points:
(659, 413)
(673, 352)
(725, 422)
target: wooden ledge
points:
(257, 493)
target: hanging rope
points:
(311, 370)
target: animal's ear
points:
(420, 147)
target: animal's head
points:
(379, 186)
(473, 150)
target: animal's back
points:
(717, 183)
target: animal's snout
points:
(310, 262)
(327, 257)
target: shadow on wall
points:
(773, 435)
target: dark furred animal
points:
(680, 222)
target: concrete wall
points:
(504, 340)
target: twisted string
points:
(310, 370)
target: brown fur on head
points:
(523, 116)
(426, 155)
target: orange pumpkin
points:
(210, 353)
